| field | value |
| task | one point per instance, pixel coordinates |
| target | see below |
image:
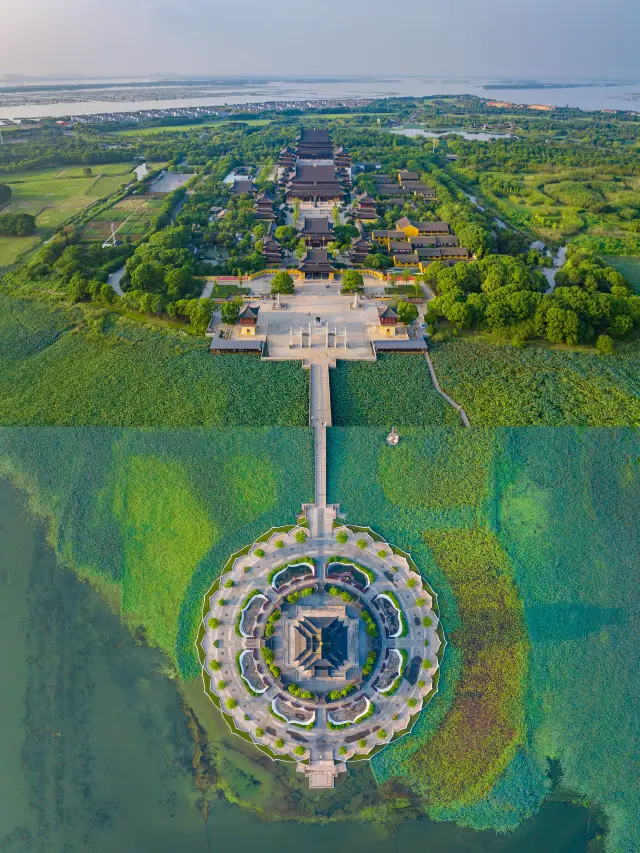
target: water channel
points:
(96, 753)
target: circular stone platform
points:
(320, 650)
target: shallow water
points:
(478, 136)
(96, 753)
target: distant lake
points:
(96, 753)
(432, 134)
(586, 95)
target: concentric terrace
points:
(320, 650)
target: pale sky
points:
(545, 38)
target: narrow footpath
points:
(450, 400)
(319, 420)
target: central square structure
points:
(321, 642)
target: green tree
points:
(148, 277)
(230, 311)
(77, 288)
(282, 283)
(5, 193)
(87, 172)
(178, 281)
(604, 345)
(407, 312)
(352, 281)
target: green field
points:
(53, 196)
(502, 385)
(396, 389)
(185, 128)
(131, 216)
(629, 268)
(537, 605)
(56, 368)
(560, 203)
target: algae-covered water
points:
(96, 752)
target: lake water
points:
(432, 134)
(587, 97)
(96, 753)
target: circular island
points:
(320, 650)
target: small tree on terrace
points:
(282, 283)
(230, 311)
(407, 312)
(352, 281)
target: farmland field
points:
(53, 195)
(131, 216)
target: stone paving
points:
(292, 726)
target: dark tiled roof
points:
(246, 344)
(400, 345)
(315, 136)
(316, 225)
(249, 313)
(388, 313)
(242, 185)
(316, 260)
(308, 173)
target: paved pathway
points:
(114, 281)
(320, 419)
(450, 401)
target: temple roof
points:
(249, 313)
(429, 227)
(309, 173)
(316, 225)
(321, 641)
(315, 136)
(388, 313)
(242, 185)
(316, 260)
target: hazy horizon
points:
(342, 38)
